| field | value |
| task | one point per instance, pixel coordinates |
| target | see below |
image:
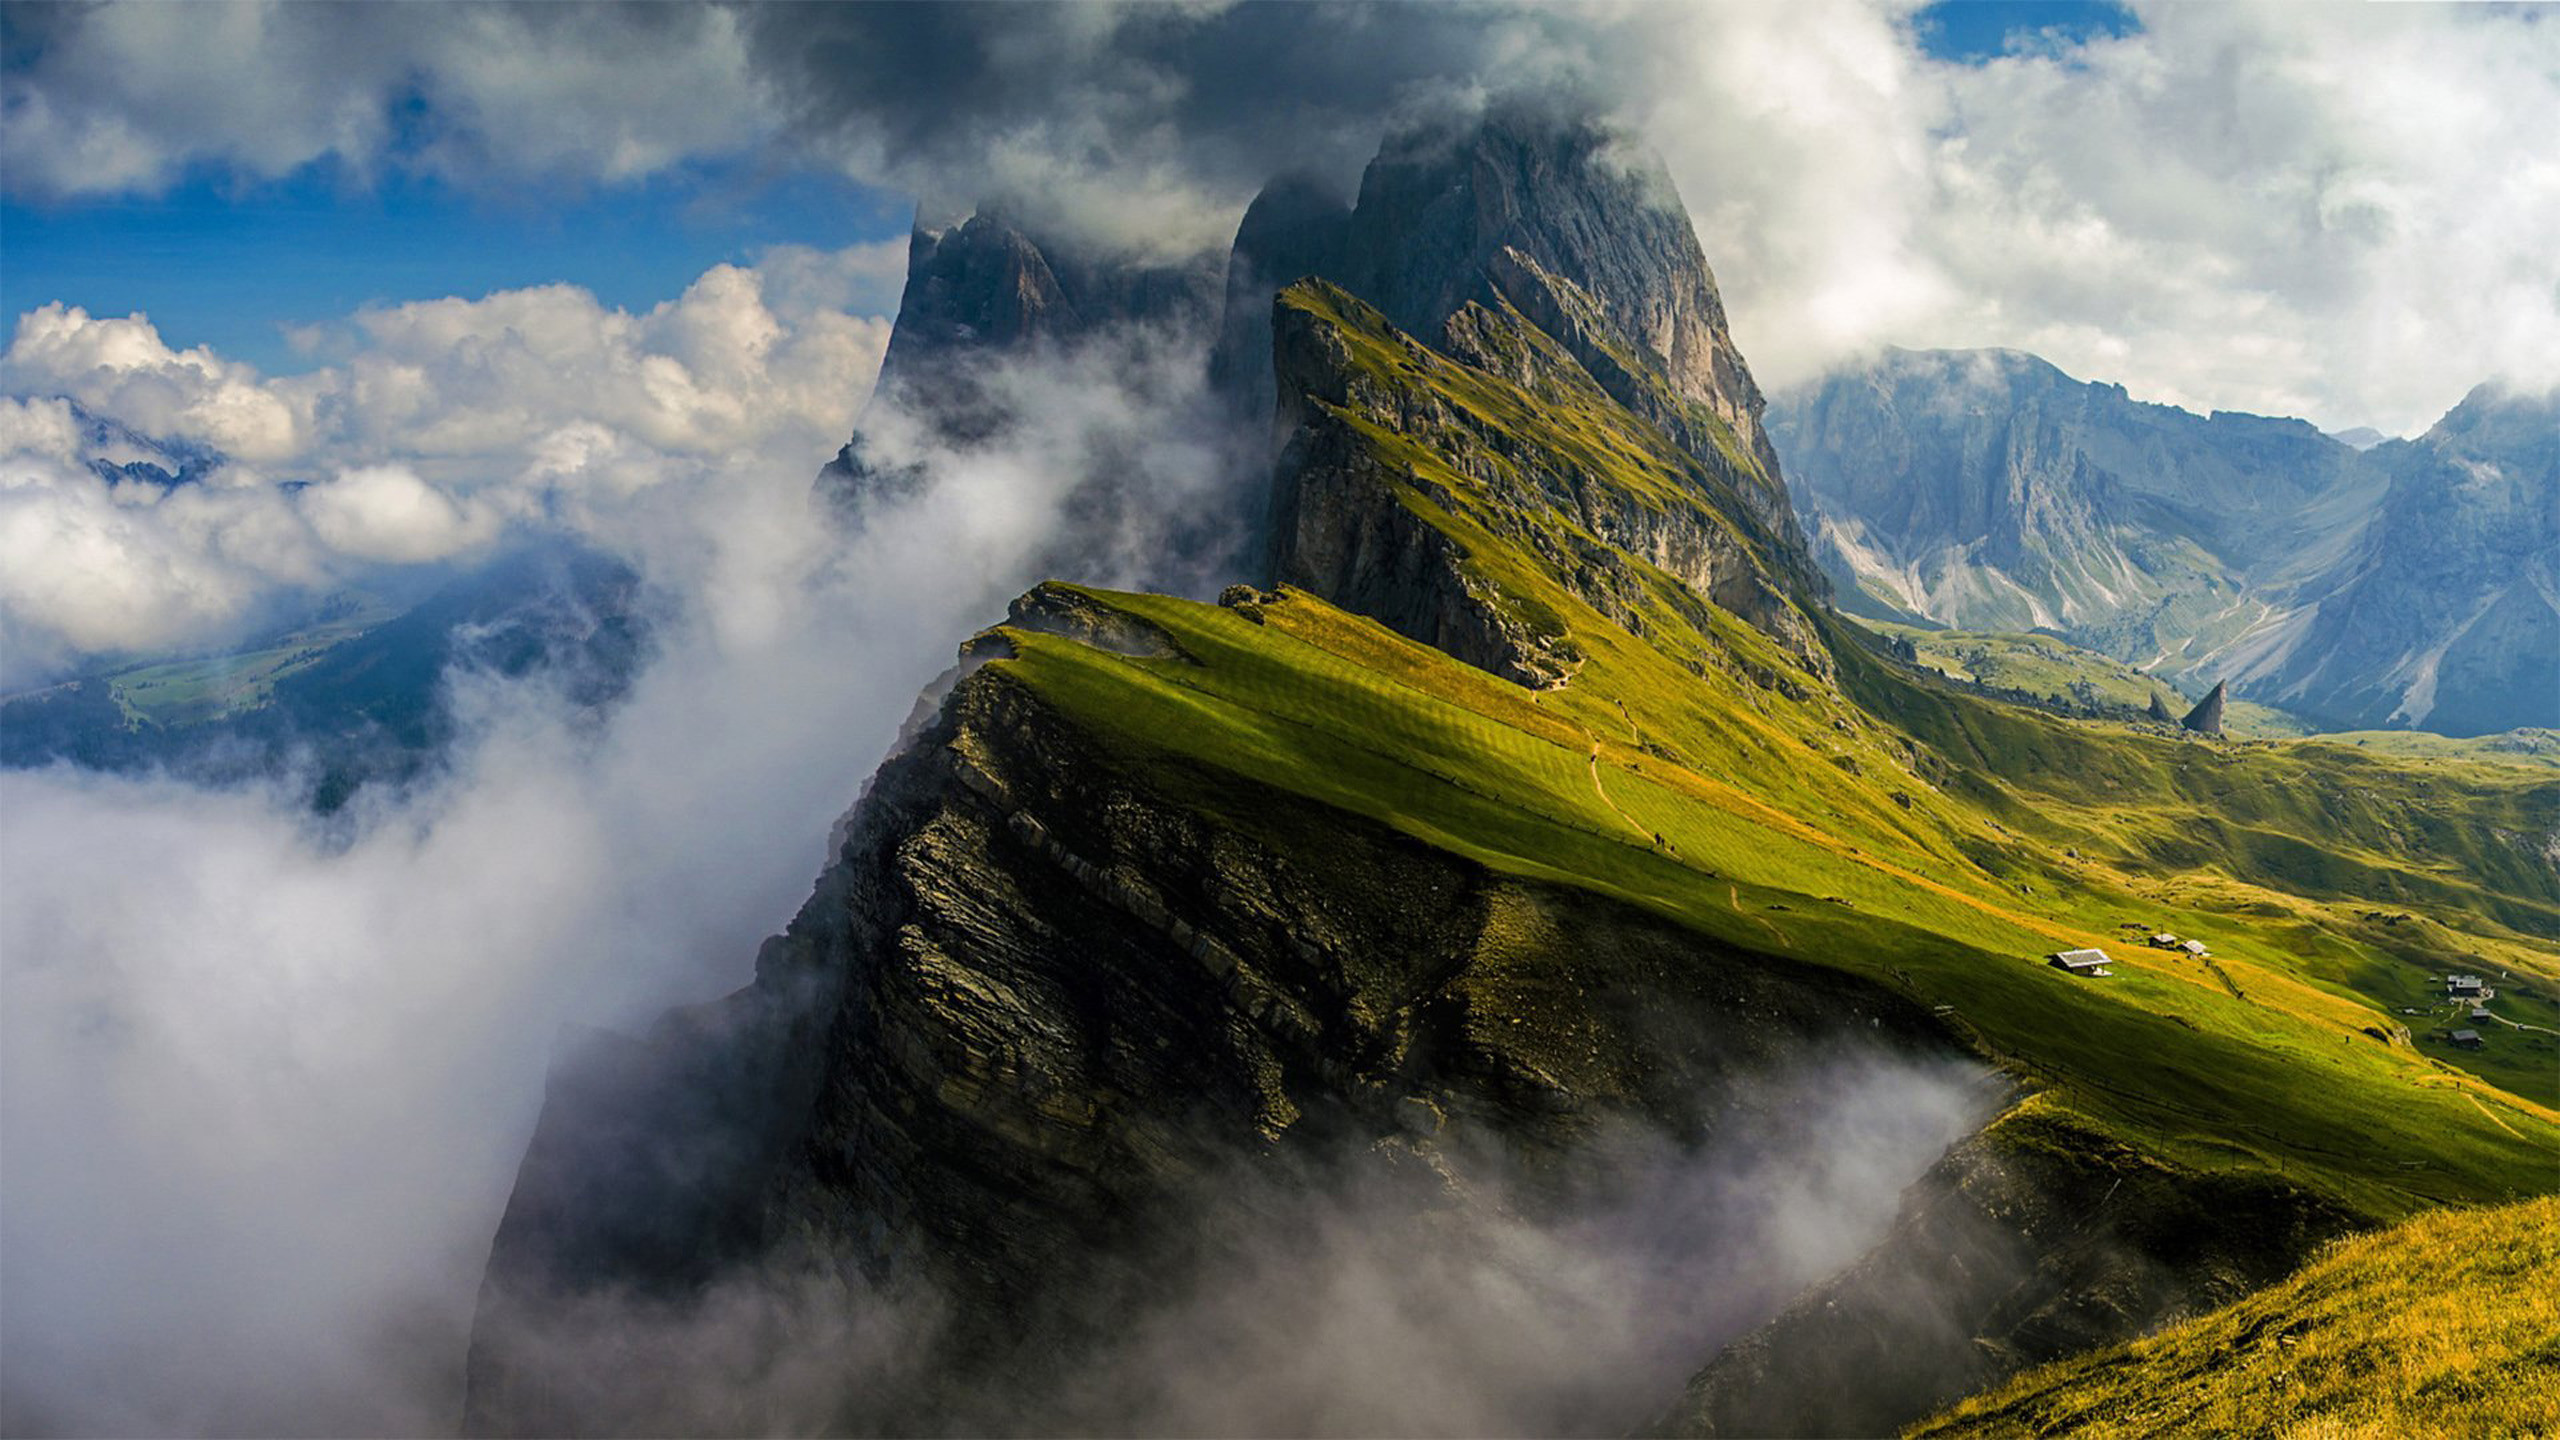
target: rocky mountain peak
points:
(1298, 226)
(988, 287)
(1440, 206)
(987, 284)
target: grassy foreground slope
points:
(2448, 1324)
(1825, 803)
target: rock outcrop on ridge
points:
(1033, 1009)
(2206, 717)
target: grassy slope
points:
(1890, 827)
(2047, 667)
(2446, 1325)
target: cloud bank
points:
(443, 426)
(2338, 212)
(264, 1082)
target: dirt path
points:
(1734, 894)
(2493, 1117)
(1603, 792)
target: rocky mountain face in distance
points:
(2446, 616)
(1986, 490)
(1525, 830)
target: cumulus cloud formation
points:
(2289, 208)
(126, 97)
(444, 425)
(121, 366)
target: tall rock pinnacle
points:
(1564, 198)
(2206, 718)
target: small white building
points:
(2080, 962)
(2462, 985)
(2195, 948)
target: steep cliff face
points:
(1572, 199)
(1297, 227)
(985, 286)
(1040, 1002)
(1409, 474)
(984, 291)
(2446, 616)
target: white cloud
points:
(126, 97)
(121, 367)
(446, 422)
(386, 514)
(2329, 210)
(2335, 212)
(263, 1089)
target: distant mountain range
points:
(2362, 583)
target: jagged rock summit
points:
(1298, 226)
(2206, 718)
(987, 288)
(1037, 994)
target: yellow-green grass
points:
(192, 689)
(2044, 666)
(187, 692)
(2528, 747)
(1320, 704)
(2276, 856)
(2448, 1324)
(1834, 807)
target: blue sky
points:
(2342, 198)
(215, 261)
(1975, 30)
(238, 263)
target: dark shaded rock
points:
(2206, 718)
(2160, 710)
(1040, 1001)
(1438, 208)
(983, 290)
(1297, 227)
(2037, 1239)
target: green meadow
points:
(1841, 808)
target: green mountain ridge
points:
(1540, 796)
